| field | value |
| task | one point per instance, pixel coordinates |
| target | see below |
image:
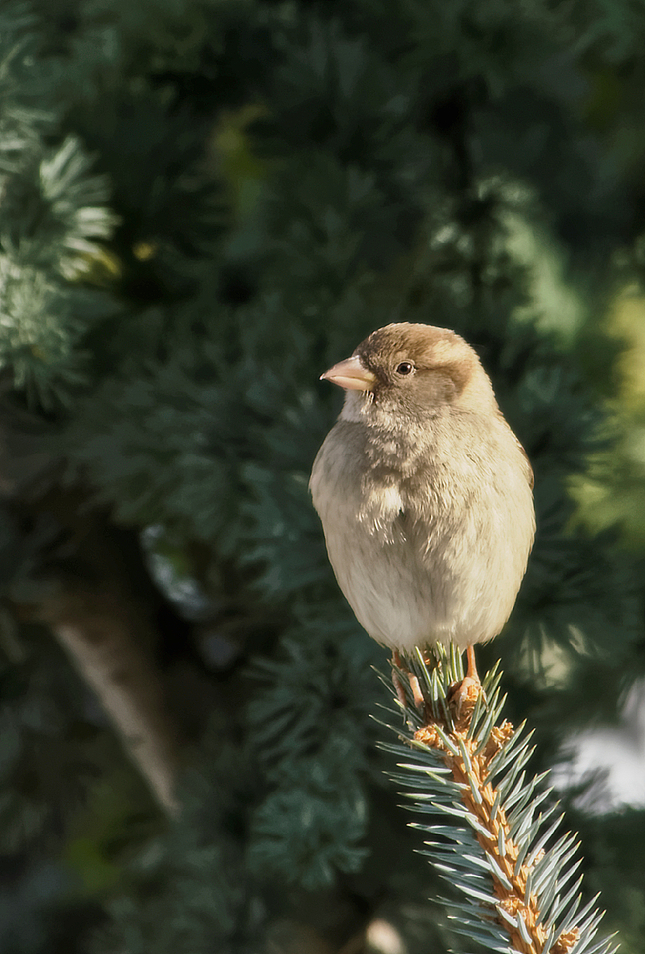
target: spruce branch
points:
(499, 842)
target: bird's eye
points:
(406, 367)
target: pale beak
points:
(350, 374)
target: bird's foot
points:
(417, 695)
(462, 697)
(419, 700)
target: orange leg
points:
(471, 671)
(398, 685)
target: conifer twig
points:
(498, 842)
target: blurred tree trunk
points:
(87, 582)
(102, 635)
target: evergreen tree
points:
(205, 203)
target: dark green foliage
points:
(191, 891)
(309, 730)
(205, 203)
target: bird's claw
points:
(463, 696)
(417, 694)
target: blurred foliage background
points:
(205, 203)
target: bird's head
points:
(407, 372)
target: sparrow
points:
(424, 493)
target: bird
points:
(424, 493)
